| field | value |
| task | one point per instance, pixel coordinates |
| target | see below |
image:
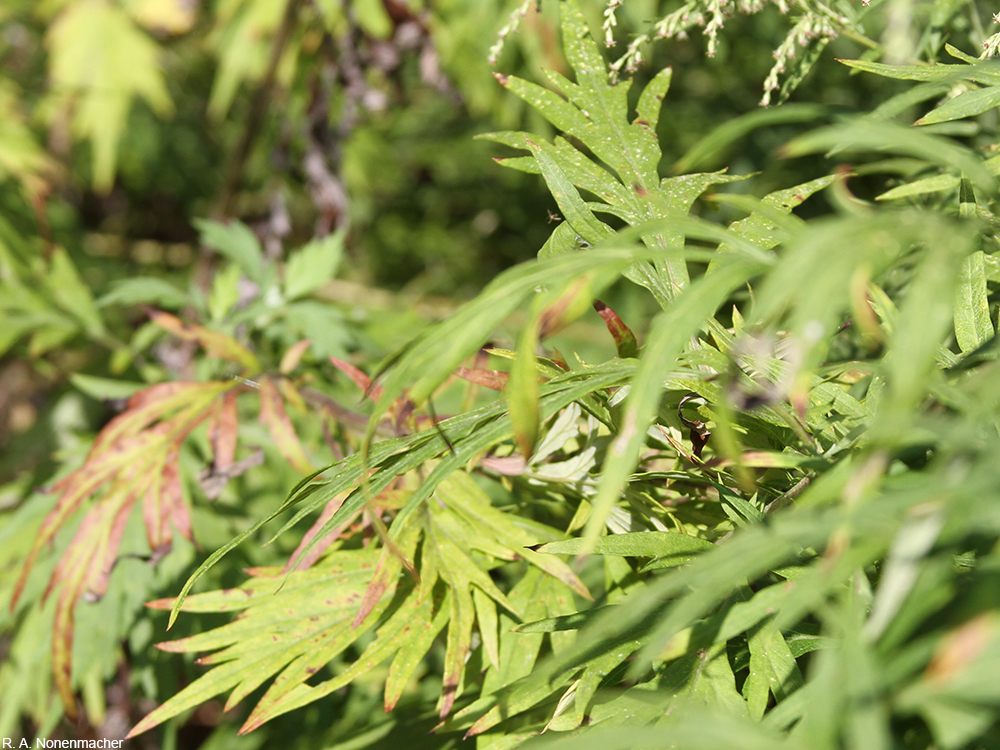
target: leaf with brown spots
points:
(294, 624)
(288, 624)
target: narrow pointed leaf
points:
(625, 341)
(664, 344)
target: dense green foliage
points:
(750, 502)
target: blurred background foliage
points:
(159, 153)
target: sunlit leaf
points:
(103, 62)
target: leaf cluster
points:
(768, 520)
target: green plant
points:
(134, 474)
(769, 521)
(787, 506)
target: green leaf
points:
(372, 18)
(955, 723)
(71, 294)
(918, 335)
(433, 357)
(651, 100)
(882, 136)
(237, 242)
(773, 670)
(631, 150)
(146, 290)
(562, 240)
(225, 292)
(574, 210)
(100, 62)
(935, 184)
(661, 544)
(574, 621)
(983, 71)
(714, 683)
(769, 222)
(313, 265)
(286, 628)
(973, 326)
(671, 330)
(105, 388)
(486, 615)
(967, 104)
(245, 40)
(522, 391)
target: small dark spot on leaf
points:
(640, 190)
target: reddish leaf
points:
(401, 410)
(961, 648)
(222, 432)
(134, 457)
(293, 356)
(507, 466)
(86, 566)
(306, 561)
(386, 573)
(126, 444)
(393, 557)
(625, 341)
(558, 360)
(362, 381)
(274, 416)
(493, 379)
(163, 502)
(150, 405)
(214, 342)
(459, 642)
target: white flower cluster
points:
(509, 28)
(812, 28)
(991, 47)
(816, 23)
